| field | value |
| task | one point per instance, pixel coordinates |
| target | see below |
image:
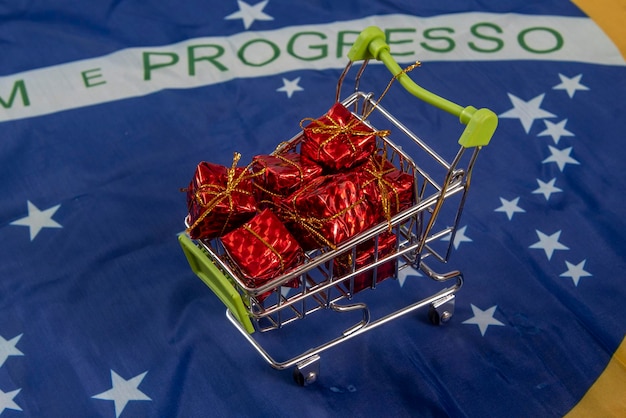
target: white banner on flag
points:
(205, 61)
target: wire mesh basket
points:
(331, 278)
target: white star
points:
(123, 391)
(284, 291)
(406, 273)
(560, 157)
(546, 189)
(7, 402)
(576, 271)
(38, 219)
(7, 348)
(555, 130)
(549, 243)
(250, 13)
(526, 112)
(510, 207)
(571, 85)
(483, 318)
(459, 237)
(290, 87)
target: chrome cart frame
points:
(417, 230)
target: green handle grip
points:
(217, 282)
(480, 123)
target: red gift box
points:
(364, 256)
(328, 211)
(219, 199)
(338, 140)
(262, 249)
(388, 188)
(281, 174)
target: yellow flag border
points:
(606, 397)
(610, 16)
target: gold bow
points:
(376, 168)
(313, 224)
(333, 128)
(221, 192)
(268, 245)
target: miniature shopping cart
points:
(421, 236)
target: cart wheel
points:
(301, 379)
(441, 311)
(437, 318)
(306, 372)
(433, 315)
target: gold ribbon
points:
(288, 162)
(268, 245)
(378, 174)
(221, 192)
(394, 78)
(334, 129)
(312, 224)
(266, 191)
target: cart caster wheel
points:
(302, 380)
(441, 311)
(437, 318)
(306, 372)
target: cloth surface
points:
(106, 108)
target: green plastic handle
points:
(217, 282)
(480, 123)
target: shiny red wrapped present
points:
(219, 199)
(388, 188)
(327, 211)
(281, 174)
(364, 256)
(262, 249)
(338, 140)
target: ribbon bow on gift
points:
(349, 130)
(221, 192)
(376, 168)
(287, 161)
(268, 245)
(333, 128)
(312, 224)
